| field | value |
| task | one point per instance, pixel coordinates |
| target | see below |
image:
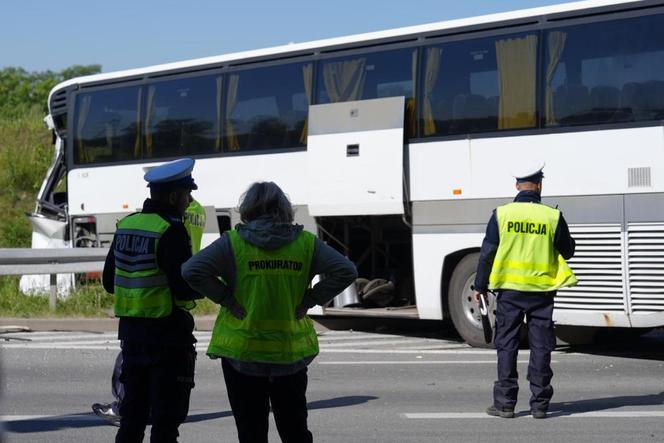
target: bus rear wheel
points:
(463, 307)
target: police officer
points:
(194, 221)
(523, 259)
(142, 269)
(262, 334)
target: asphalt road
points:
(407, 382)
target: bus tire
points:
(463, 309)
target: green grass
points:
(89, 300)
(26, 152)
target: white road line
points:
(63, 346)
(58, 337)
(77, 417)
(552, 414)
(324, 350)
(376, 337)
(417, 362)
(375, 343)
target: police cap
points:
(171, 176)
(529, 172)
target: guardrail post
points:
(54, 292)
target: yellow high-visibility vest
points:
(194, 221)
(270, 284)
(141, 287)
(526, 259)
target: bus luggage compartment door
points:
(355, 157)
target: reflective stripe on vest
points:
(269, 284)
(141, 287)
(526, 259)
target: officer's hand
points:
(237, 310)
(477, 296)
(300, 311)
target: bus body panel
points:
(598, 162)
(355, 158)
(429, 252)
(220, 182)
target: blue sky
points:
(45, 34)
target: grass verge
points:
(88, 300)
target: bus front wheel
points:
(463, 307)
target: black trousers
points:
(157, 383)
(251, 397)
(538, 310)
(117, 388)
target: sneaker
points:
(504, 412)
(106, 412)
(538, 413)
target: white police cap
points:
(172, 175)
(529, 171)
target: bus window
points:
(617, 78)
(182, 117)
(106, 126)
(479, 85)
(266, 108)
(366, 76)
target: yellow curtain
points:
(517, 68)
(430, 80)
(344, 81)
(556, 45)
(137, 142)
(84, 109)
(148, 120)
(410, 102)
(231, 100)
(217, 141)
(307, 74)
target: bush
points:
(26, 152)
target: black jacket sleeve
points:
(487, 254)
(174, 249)
(563, 240)
(108, 275)
(212, 271)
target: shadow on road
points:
(649, 346)
(87, 420)
(402, 326)
(602, 404)
(338, 402)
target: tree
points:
(22, 91)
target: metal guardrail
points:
(52, 262)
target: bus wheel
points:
(463, 307)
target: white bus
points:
(395, 146)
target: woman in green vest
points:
(262, 335)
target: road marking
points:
(325, 350)
(77, 417)
(375, 343)
(417, 362)
(552, 414)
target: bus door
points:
(355, 158)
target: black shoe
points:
(504, 412)
(538, 413)
(106, 412)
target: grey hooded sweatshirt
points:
(203, 270)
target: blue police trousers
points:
(537, 307)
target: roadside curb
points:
(108, 324)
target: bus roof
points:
(339, 41)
